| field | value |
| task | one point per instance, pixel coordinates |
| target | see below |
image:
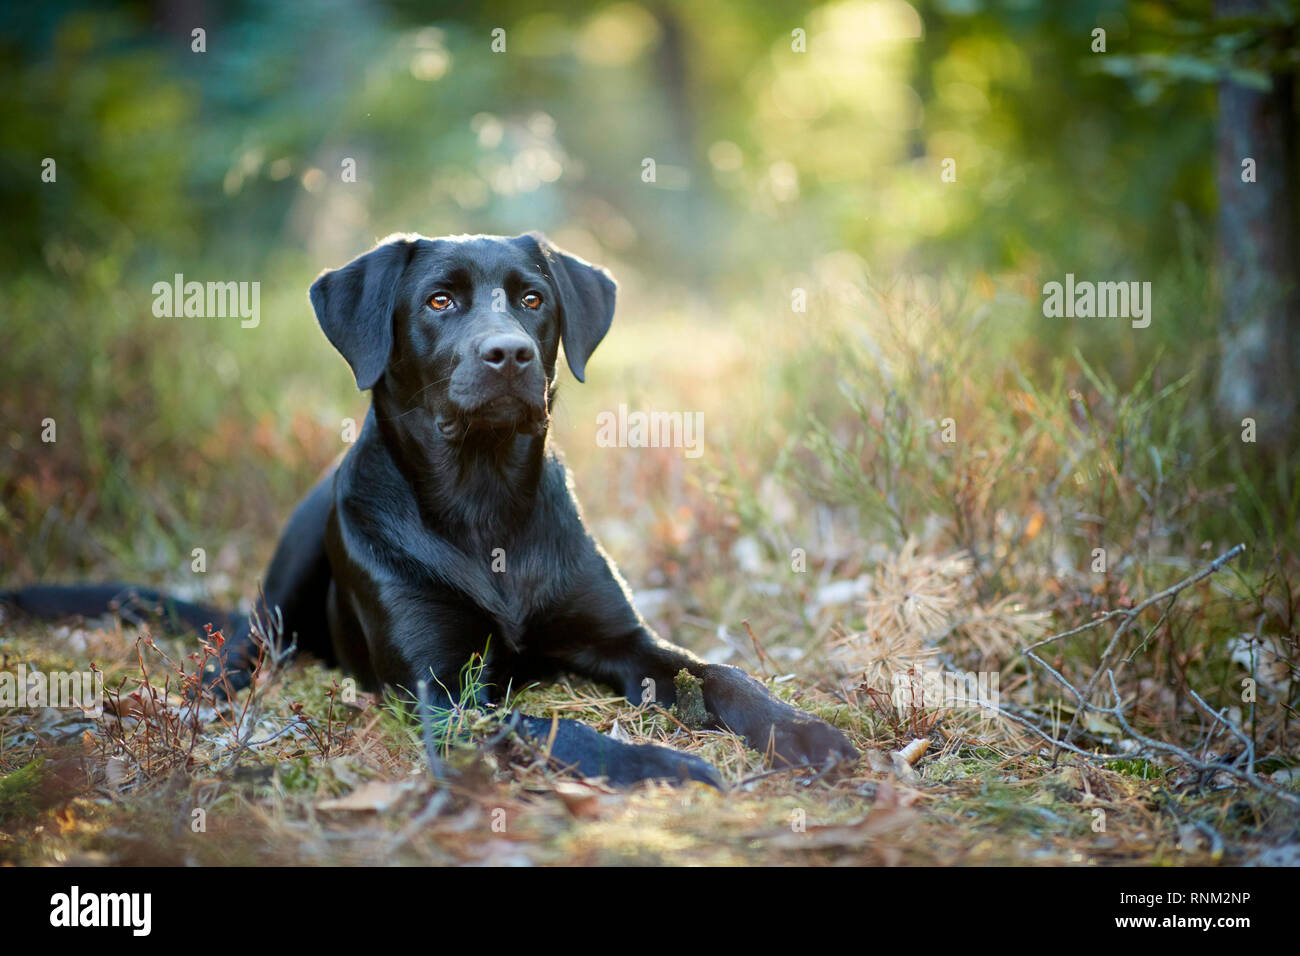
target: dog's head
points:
(466, 328)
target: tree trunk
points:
(1258, 250)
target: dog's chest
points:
(520, 585)
(508, 582)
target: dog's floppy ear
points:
(354, 306)
(586, 303)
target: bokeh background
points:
(776, 168)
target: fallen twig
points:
(1129, 615)
(1204, 766)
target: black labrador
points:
(450, 527)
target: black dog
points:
(450, 527)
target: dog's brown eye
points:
(532, 301)
(440, 301)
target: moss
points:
(690, 707)
(16, 791)
(945, 768)
(1137, 767)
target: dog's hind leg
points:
(133, 604)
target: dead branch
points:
(1242, 768)
(1129, 616)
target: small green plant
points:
(448, 726)
(16, 799)
(1139, 768)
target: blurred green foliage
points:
(1064, 156)
(775, 168)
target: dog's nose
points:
(506, 353)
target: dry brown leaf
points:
(375, 796)
(581, 800)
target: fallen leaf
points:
(375, 796)
(581, 800)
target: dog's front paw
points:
(789, 736)
(650, 762)
(802, 739)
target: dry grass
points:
(123, 789)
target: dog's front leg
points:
(568, 742)
(769, 725)
(642, 663)
(593, 754)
